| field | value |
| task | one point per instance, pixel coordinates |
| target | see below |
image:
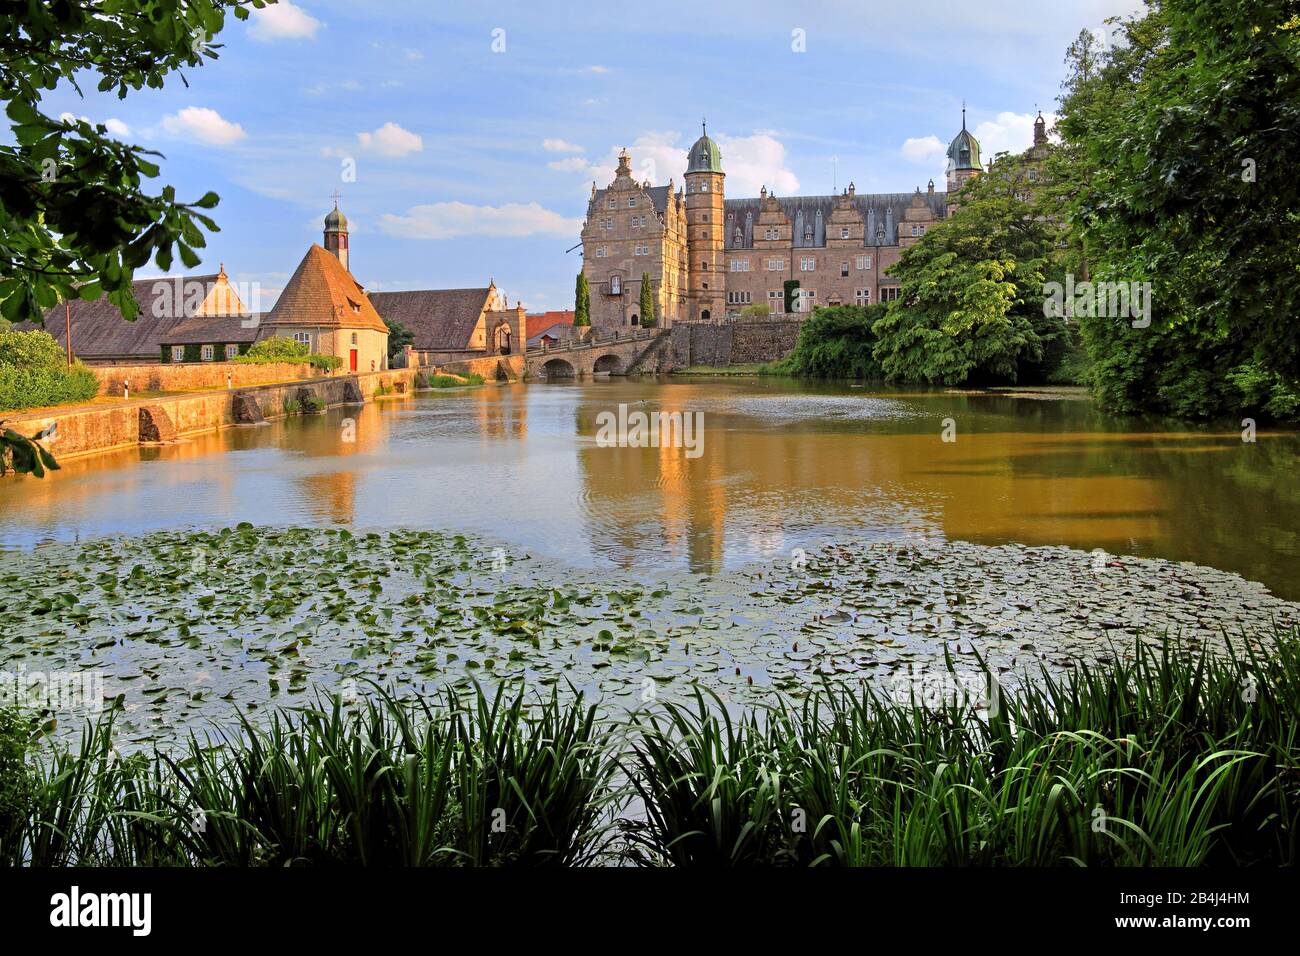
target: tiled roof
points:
(323, 293)
(214, 329)
(99, 333)
(544, 320)
(440, 319)
(560, 331)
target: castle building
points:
(708, 256)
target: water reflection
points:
(783, 466)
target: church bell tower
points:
(336, 234)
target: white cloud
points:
(596, 69)
(203, 125)
(560, 146)
(447, 220)
(1010, 132)
(412, 54)
(923, 149)
(750, 162)
(117, 127)
(570, 165)
(283, 20)
(391, 140)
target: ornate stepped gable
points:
(809, 217)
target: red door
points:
(352, 359)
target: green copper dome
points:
(964, 150)
(336, 220)
(705, 156)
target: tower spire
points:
(704, 125)
(963, 115)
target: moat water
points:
(783, 466)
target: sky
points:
(463, 139)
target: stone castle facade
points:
(708, 256)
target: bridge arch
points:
(558, 368)
(607, 363)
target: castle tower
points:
(705, 228)
(336, 234)
(963, 157)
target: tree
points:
(971, 290)
(399, 337)
(836, 342)
(582, 302)
(649, 317)
(1183, 139)
(75, 219)
(791, 290)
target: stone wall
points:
(732, 341)
(493, 368)
(92, 429)
(191, 376)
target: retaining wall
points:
(91, 429)
(195, 375)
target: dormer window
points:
(631, 202)
(613, 203)
(844, 232)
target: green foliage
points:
(866, 780)
(1180, 144)
(581, 302)
(970, 305)
(17, 778)
(280, 348)
(34, 373)
(75, 220)
(649, 313)
(451, 381)
(399, 337)
(757, 310)
(836, 342)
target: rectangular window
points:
(206, 352)
(863, 263)
(178, 353)
(739, 298)
(888, 293)
(844, 270)
(862, 296)
(844, 232)
(807, 264)
(302, 338)
(739, 265)
(775, 265)
(641, 251)
(631, 202)
(613, 202)
(232, 351)
(601, 252)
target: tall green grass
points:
(1162, 757)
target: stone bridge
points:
(613, 353)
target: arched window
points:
(704, 314)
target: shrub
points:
(836, 342)
(33, 373)
(278, 348)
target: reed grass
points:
(1161, 757)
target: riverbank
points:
(91, 429)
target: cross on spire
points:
(335, 197)
(704, 125)
(963, 114)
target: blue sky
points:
(475, 132)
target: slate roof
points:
(875, 208)
(440, 319)
(214, 329)
(323, 293)
(99, 333)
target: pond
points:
(815, 533)
(783, 466)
